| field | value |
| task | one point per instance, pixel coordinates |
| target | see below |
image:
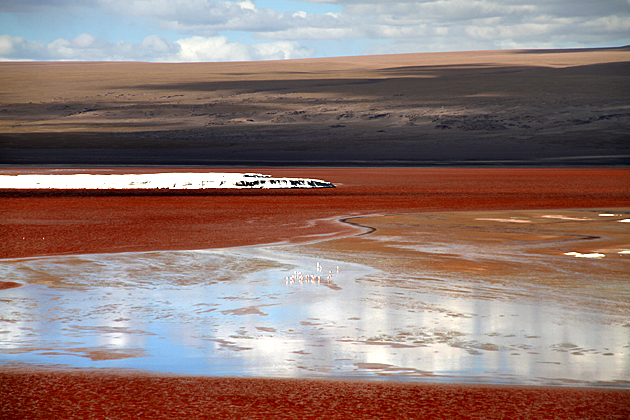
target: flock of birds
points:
(302, 278)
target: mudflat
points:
(36, 223)
(527, 107)
(83, 394)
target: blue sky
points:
(214, 30)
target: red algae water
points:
(525, 283)
(502, 297)
(52, 224)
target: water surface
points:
(451, 297)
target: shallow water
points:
(233, 311)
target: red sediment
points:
(65, 224)
(61, 224)
(42, 394)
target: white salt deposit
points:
(560, 217)
(580, 255)
(191, 181)
(510, 220)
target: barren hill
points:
(541, 107)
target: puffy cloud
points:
(208, 17)
(219, 49)
(280, 50)
(314, 33)
(86, 47)
(17, 48)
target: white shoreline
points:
(172, 180)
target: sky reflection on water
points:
(232, 312)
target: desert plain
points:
(477, 240)
(538, 107)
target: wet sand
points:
(86, 224)
(9, 285)
(45, 394)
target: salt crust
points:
(590, 255)
(191, 181)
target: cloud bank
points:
(380, 26)
(86, 47)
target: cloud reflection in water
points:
(231, 312)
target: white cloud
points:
(480, 23)
(86, 47)
(219, 49)
(313, 33)
(208, 15)
(84, 41)
(158, 44)
(389, 26)
(609, 24)
(247, 4)
(18, 47)
(206, 49)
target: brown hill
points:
(509, 107)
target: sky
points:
(243, 30)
